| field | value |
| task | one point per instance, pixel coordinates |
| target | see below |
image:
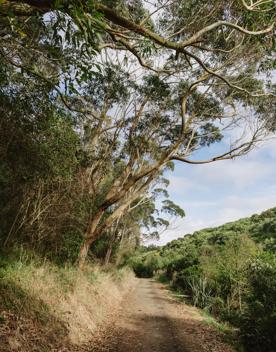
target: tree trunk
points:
(83, 253)
(94, 231)
(108, 254)
(88, 238)
(119, 254)
(113, 237)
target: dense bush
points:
(40, 199)
(146, 264)
(184, 278)
(259, 319)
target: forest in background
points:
(229, 270)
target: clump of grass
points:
(228, 332)
(210, 320)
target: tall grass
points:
(67, 303)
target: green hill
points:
(229, 270)
(260, 228)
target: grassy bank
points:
(44, 307)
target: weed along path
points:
(151, 320)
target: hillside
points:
(260, 228)
(229, 271)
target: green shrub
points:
(201, 292)
(259, 321)
(184, 277)
(146, 264)
(216, 306)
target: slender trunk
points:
(83, 253)
(113, 237)
(108, 254)
(240, 299)
(119, 254)
(88, 238)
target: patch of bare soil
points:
(150, 320)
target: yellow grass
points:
(79, 301)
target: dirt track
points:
(150, 320)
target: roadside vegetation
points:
(229, 271)
(45, 307)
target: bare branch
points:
(255, 7)
(242, 149)
(215, 25)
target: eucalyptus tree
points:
(150, 83)
(143, 220)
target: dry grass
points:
(44, 307)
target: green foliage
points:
(146, 264)
(172, 208)
(229, 271)
(155, 88)
(109, 86)
(92, 117)
(259, 319)
(39, 165)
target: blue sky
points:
(215, 193)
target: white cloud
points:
(225, 191)
(267, 147)
(181, 186)
(181, 228)
(237, 173)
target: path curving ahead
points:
(150, 320)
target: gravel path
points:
(150, 320)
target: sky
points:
(215, 193)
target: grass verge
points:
(44, 307)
